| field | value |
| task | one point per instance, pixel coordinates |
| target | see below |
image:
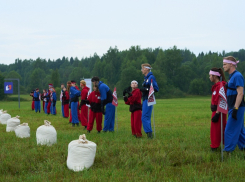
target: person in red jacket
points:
(83, 107)
(134, 100)
(32, 104)
(215, 130)
(49, 95)
(95, 110)
(65, 102)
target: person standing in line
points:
(147, 110)
(68, 90)
(36, 96)
(53, 99)
(234, 131)
(95, 110)
(49, 95)
(134, 100)
(74, 97)
(106, 100)
(65, 102)
(83, 107)
(43, 99)
(61, 95)
(215, 129)
(33, 102)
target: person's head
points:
(215, 73)
(229, 64)
(82, 83)
(37, 89)
(145, 68)
(64, 89)
(62, 86)
(95, 88)
(134, 84)
(73, 83)
(44, 91)
(51, 90)
(50, 85)
(95, 80)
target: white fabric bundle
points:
(46, 134)
(4, 117)
(12, 123)
(1, 112)
(81, 154)
(22, 131)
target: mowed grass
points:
(180, 151)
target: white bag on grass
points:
(81, 154)
(22, 130)
(4, 117)
(46, 134)
(1, 112)
(12, 123)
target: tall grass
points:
(180, 151)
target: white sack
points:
(12, 123)
(4, 117)
(81, 154)
(46, 134)
(1, 112)
(22, 131)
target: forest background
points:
(178, 72)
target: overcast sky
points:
(79, 28)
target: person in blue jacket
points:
(234, 131)
(106, 100)
(147, 110)
(53, 104)
(37, 100)
(74, 98)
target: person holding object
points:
(83, 107)
(134, 100)
(65, 102)
(106, 100)
(95, 110)
(234, 131)
(37, 100)
(215, 130)
(74, 95)
(147, 110)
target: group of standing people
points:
(233, 128)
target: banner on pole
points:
(114, 101)
(222, 103)
(151, 96)
(8, 87)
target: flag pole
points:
(154, 122)
(116, 119)
(221, 130)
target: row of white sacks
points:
(81, 152)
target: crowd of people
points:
(84, 107)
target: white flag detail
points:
(222, 103)
(151, 96)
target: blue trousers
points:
(234, 131)
(37, 106)
(45, 107)
(74, 114)
(62, 109)
(146, 116)
(109, 119)
(53, 109)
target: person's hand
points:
(215, 118)
(125, 99)
(234, 113)
(144, 89)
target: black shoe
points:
(39, 111)
(214, 149)
(73, 125)
(88, 131)
(104, 131)
(98, 132)
(85, 127)
(149, 135)
(77, 124)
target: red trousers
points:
(32, 105)
(78, 114)
(43, 105)
(48, 107)
(215, 131)
(84, 115)
(66, 110)
(136, 123)
(92, 116)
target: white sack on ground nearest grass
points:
(81, 154)
(4, 117)
(22, 131)
(46, 134)
(12, 123)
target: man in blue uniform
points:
(146, 110)
(37, 100)
(234, 131)
(74, 97)
(106, 100)
(53, 104)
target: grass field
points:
(180, 151)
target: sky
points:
(51, 29)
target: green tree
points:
(2, 95)
(55, 78)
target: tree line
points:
(178, 72)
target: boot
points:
(149, 135)
(77, 124)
